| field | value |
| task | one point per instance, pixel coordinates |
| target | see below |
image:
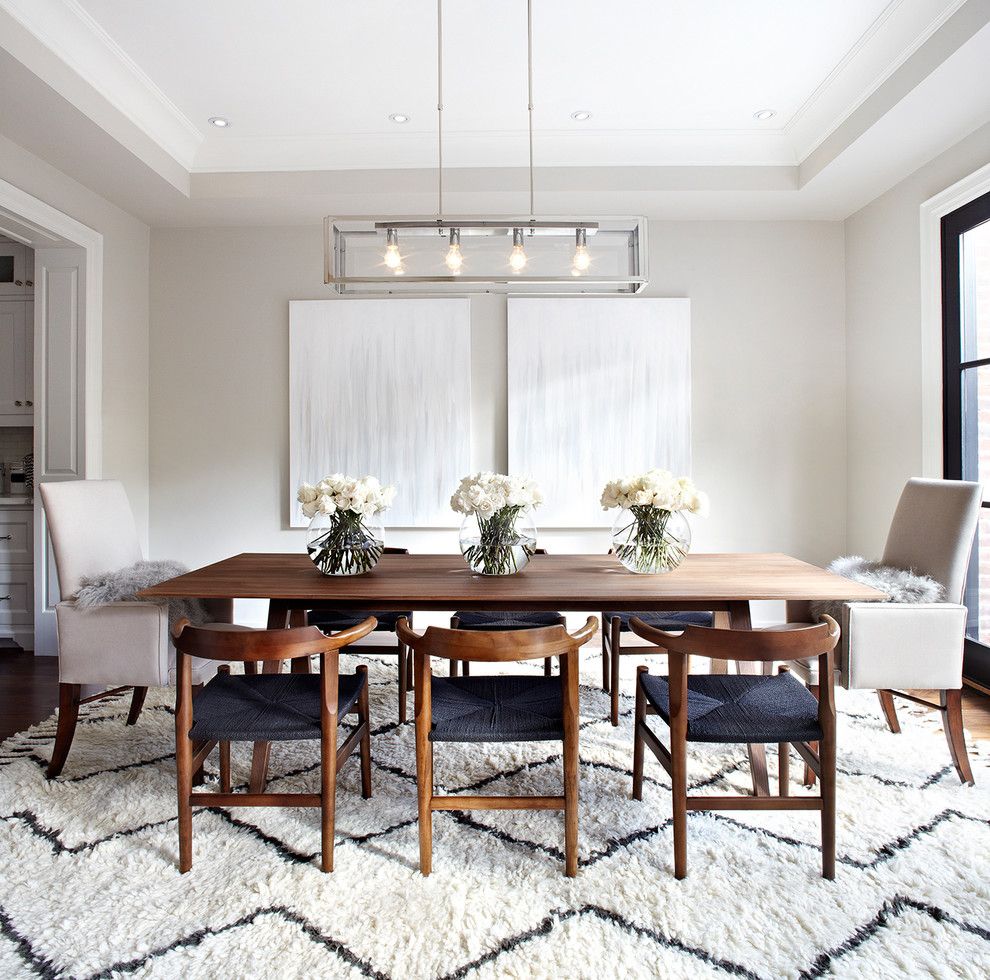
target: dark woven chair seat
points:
(499, 620)
(266, 707)
(661, 620)
(741, 708)
(497, 709)
(334, 620)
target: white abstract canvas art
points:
(597, 388)
(382, 387)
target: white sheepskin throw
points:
(899, 585)
(124, 584)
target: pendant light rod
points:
(529, 58)
(440, 108)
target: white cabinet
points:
(17, 573)
(16, 362)
(16, 270)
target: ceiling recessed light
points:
(582, 115)
(219, 121)
(399, 117)
(765, 114)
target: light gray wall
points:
(769, 365)
(884, 343)
(125, 315)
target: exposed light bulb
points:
(517, 258)
(392, 258)
(454, 259)
(582, 257)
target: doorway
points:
(57, 369)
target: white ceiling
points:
(672, 85)
(691, 73)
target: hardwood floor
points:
(28, 690)
(29, 694)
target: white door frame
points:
(932, 212)
(45, 218)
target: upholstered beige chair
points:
(121, 645)
(890, 646)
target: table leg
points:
(741, 620)
(723, 621)
(278, 619)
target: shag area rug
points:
(89, 885)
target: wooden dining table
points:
(725, 584)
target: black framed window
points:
(966, 392)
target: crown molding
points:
(76, 39)
(901, 29)
(553, 148)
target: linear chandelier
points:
(442, 253)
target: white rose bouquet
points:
(496, 501)
(653, 540)
(342, 542)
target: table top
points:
(568, 582)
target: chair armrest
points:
(123, 643)
(902, 645)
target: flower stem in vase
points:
(498, 543)
(346, 547)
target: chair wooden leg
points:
(466, 668)
(184, 784)
(889, 711)
(827, 759)
(678, 777)
(572, 782)
(614, 656)
(809, 773)
(68, 714)
(225, 786)
(137, 703)
(548, 667)
(364, 718)
(784, 768)
(606, 672)
(424, 790)
(328, 792)
(403, 684)
(455, 668)
(424, 759)
(952, 723)
(638, 741)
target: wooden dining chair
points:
(499, 621)
(327, 618)
(751, 708)
(506, 708)
(272, 707)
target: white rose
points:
(307, 494)
(325, 504)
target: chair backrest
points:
(493, 647)
(213, 643)
(754, 645)
(395, 551)
(92, 528)
(933, 529)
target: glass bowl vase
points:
(651, 541)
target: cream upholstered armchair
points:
(890, 646)
(121, 645)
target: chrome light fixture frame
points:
(337, 231)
